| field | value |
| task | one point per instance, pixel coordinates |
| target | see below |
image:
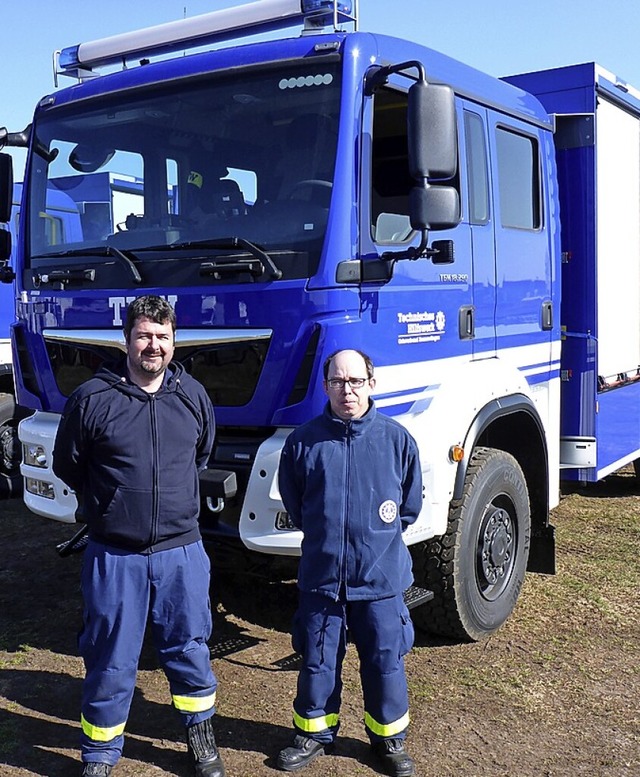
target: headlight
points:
(34, 455)
(40, 488)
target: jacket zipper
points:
(342, 582)
(155, 447)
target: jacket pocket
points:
(408, 632)
(298, 634)
(178, 511)
(127, 519)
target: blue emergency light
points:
(249, 19)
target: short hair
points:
(152, 307)
(367, 362)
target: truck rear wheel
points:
(477, 567)
(10, 415)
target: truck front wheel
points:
(477, 568)
(10, 415)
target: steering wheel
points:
(132, 222)
(179, 221)
(320, 191)
(173, 220)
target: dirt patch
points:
(554, 693)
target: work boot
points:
(393, 757)
(94, 769)
(299, 754)
(203, 753)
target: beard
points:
(152, 367)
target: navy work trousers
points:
(383, 634)
(122, 591)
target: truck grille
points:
(228, 371)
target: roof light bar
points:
(249, 19)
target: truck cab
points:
(290, 197)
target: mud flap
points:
(542, 552)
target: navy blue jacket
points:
(135, 457)
(352, 487)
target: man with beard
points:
(131, 442)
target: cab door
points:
(524, 276)
(478, 206)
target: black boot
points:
(300, 753)
(203, 753)
(95, 769)
(393, 758)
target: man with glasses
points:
(350, 479)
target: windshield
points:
(232, 170)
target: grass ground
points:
(554, 693)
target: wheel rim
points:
(9, 460)
(497, 542)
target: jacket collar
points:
(116, 374)
(354, 426)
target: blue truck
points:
(10, 478)
(478, 237)
(63, 223)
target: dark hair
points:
(152, 307)
(367, 362)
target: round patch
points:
(388, 511)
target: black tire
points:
(10, 415)
(636, 468)
(477, 568)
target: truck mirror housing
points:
(5, 252)
(6, 187)
(434, 207)
(432, 135)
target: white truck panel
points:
(618, 238)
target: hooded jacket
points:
(352, 487)
(135, 457)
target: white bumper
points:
(39, 432)
(262, 503)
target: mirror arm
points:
(17, 139)
(379, 75)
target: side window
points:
(391, 182)
(390, 179)
(478, 180)
(519, 180)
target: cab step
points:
(415, 596)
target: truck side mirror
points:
(6, 187)
(432, 133)
(433, 154)
(5, 253)
(434, 207)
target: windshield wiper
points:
(232, 243)
(117, 253)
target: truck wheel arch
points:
(482, 429)
(10, 415)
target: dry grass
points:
(554, 693)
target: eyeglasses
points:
(339, 383)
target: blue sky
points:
(500, 37)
